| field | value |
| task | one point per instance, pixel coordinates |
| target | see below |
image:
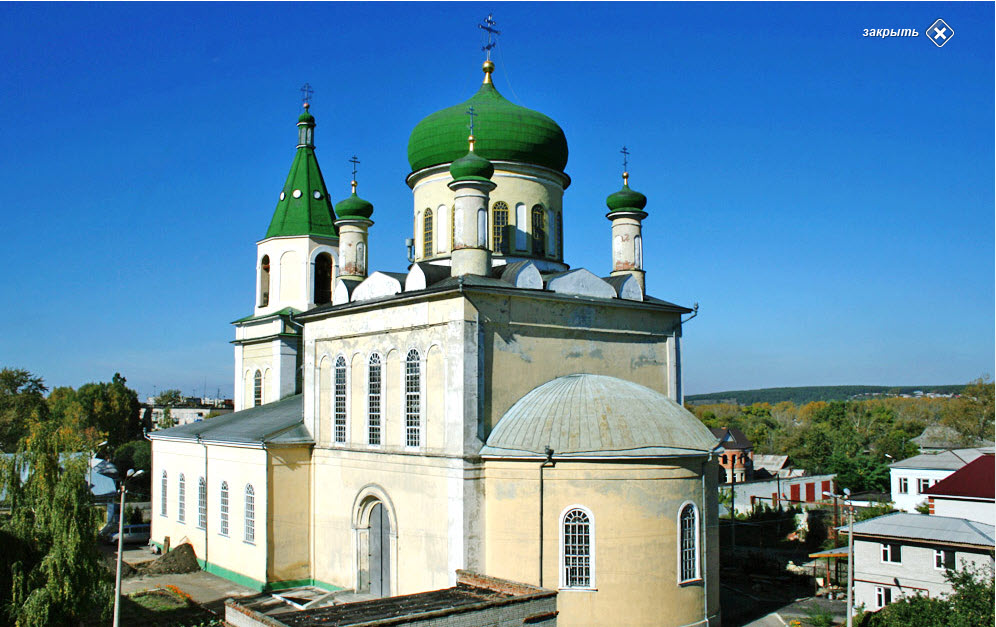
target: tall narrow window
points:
(521, 220)
(499, 227)
(551, 241)
(444, 221)
(257, 389)
(162, 496)
(560, 235)
(202, 504)
(181, 499)
(264, 281)
(577, 543)
(427, 233)
(638, 245)
(373, 400)
(688, 549)
(223, 509)
(883, 596)
(539, 231)
(250, 533)
(413, 399)
(323, 279)
(339, 400)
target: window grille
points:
(339, 402)
(250, 535)
(257, 389)
(413, 399)
(202, 504)
(427, 233)
(373, 400)
(162, 496)
(577, 549)
(539, 231)
(689, 550)
(181, 499)
(223, 528)
(499, 228)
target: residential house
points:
(968, 493)
(911, 477)
(736, 455)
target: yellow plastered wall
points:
(635, 532)
(236, 465)
(529, 341)
(415, 490)
(289, 532)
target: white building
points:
(902, 554)
(968, 493)
(911, 477)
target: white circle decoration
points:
(318, 194)
(282, 195)
(297, 193)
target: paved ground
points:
(799, 610)
(207, 589)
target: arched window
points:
(688, 548)
(373, 400)
(444, 221)
(257, 389)
(162, 496)
(339, 400)
(264, 281)
(323, 279)
(521, 219)
(539, 231)
(250, 534)
(638, 242)
(499, 228)
(413, 399)
(202, 504)
(560, 235)
(577, 549)
(427, 233)
(181, 499)
(223, 508)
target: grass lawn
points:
(164, 608)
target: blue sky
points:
(826, 198)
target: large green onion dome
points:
(507, 132)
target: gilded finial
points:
(626, 179)
(488, 68)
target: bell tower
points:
(296, 266)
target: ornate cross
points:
(489, 26)
(355, 163)
(306, 92)
(625, 154)
(472, 114)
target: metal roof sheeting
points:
(588, 415)
(946, 460)
(280, 422)
(929, 528)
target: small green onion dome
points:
(626, 199)
(354, 208)
(509, 133)
(472, 166)
(306, 116)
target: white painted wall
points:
(908, 500)
(977, 510)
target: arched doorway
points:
(380, 551)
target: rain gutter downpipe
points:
(547, 463)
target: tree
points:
(110, 409)
(169, 398)
(22, 399)
(50, 570)
(972, 413)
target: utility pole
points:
(850, 557)
(117, 582)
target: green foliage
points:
(167, 420)
(819, 617)
(50, 570)
(22, 400)
(169, 398)
(970, 604)
(867, 513)
(810, 394)
(923, 508)
(971, 415)
(110, 409)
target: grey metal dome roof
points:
(587, 415)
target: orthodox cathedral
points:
(490, 409)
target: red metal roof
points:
(976, 479)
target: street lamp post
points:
(850, 548)
(117, 582)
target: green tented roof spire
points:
(304, 207)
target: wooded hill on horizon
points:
(809, 394)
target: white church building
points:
(489, 408)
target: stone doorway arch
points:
(376, 533)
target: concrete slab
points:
(799, 610)
(204, 588)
